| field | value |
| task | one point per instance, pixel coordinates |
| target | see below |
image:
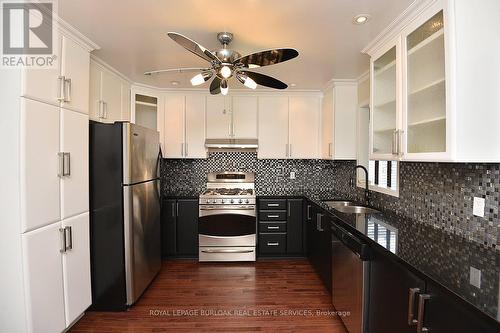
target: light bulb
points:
(197, 80)
(250, 83)
(224, 88)
(225, 71)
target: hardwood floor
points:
(187, 296)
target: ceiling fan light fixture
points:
(253, 66)
(200, 78)
(246, 80)
(224, 88)
(226, 72)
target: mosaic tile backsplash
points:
(437, 194)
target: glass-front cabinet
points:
(385, 111)
(424, 86)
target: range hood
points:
(232, 144)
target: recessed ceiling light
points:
(174, 83)
(293, 85)
(361, 19)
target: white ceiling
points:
(132, 34)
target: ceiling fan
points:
(226, 63)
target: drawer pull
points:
(273, 244)
(273, 205)
(273, 216)
(411, 304)
(272, 227)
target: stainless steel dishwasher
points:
(350, 279)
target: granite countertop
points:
(440, 255)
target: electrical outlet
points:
(292, 174)
(475, 277)
(478, 207)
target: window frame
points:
(361, 182)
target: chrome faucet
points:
(367, 191)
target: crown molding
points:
(110, 68)
(395, 27)
(363, 77)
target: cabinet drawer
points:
(274, 204)
(272, 243)
(272, 227)
(272, 215)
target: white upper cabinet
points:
(338, 121)
(273, 127)
(174, 126)
(109, 97)
(75, 71)
(195, 127)
(244, 117)
(438, 103)
(219, 118)
(40, 164)
(303, 130)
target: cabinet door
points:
(245, 117)
(218, 117)
(75, 141)
(75, 67)
(385, 109)
(43, 278)
(39, 164)
(76, 267)
(168, 228)
(294, 226)
(327, 125)
(43, 84)
(425, 87)
(187, 227)
(111, 97)
(95, 78)
(174, 126)
(195, 127)
(324, 239)
(389, 289)
(125, 115)
(304, 127)
(273, 127)
(445, 312)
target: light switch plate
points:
(478, 207)
(292, 174)
(475, 277)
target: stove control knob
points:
(240, 201)
(232, 200)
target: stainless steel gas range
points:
(227, 218)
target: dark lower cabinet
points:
(319, 244)
(388, 308)
(295, 225)
(179, 228)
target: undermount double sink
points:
(350, 207)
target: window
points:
(383, 177)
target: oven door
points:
(227, 226)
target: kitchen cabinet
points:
(168, 228)
(184, 126)
(338, 121)
(319, 244)
(244, 114)
(273, 127)
(219, 117)
(179, 228)
(67, 85)
(232, 117)
(280, 225)
(432, 95)
(289, 127)
(109, 94)
(303, 132)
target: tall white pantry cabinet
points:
(45, 257)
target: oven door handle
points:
(232, 211)
(226, 251)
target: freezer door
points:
(142, 237)
(141, 148)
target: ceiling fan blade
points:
(265, 80)
(268, 57)
(177, 70)
(193, 47)
(215, 86)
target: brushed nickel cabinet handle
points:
(411, 305)
(273, 205)
(69, 233)
(173, 209)
(422, 298)
(273, 244)
(273, 216)
(318, 222)
(394, 143)
(309, 212)
(62, 235)
(272, 227)
(62, 90)
(67, 86)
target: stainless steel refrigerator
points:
(124, 213)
